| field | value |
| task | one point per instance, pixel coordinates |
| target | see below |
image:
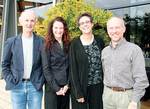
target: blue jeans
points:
(26, 97)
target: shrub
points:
(70, 10)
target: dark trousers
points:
(93, 99)
(53, 101)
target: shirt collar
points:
(122, 41)
(28, 37)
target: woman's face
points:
(85, 25)
(58, 29)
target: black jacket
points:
(55, 66)
(79, 67)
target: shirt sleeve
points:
(6, 62)
(139, 74)
(74, 75)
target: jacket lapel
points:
(19, 51)
(35, 48)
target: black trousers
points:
(53, 101)
(93, 99)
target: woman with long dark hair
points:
(55, 65)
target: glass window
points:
(137, 16)
(110, 4)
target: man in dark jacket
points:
(22, 65)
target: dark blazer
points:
(13, 63)
(79, 67)
(55, 66)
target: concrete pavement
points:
(5, 100)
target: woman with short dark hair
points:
(85, 67)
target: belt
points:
(25, 80)
(119, 89)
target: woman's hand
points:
(60, 92)
(65, 88)
(81, 100)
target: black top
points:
(55, 66)
(94, 58)
(79, 67)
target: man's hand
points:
(132, 105)
(81, 100)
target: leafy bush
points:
(70, 10)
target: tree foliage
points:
(70, 10)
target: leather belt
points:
(119, 89)
(25, 80)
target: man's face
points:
(115, 29)
(85, 25)
(28, 21)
